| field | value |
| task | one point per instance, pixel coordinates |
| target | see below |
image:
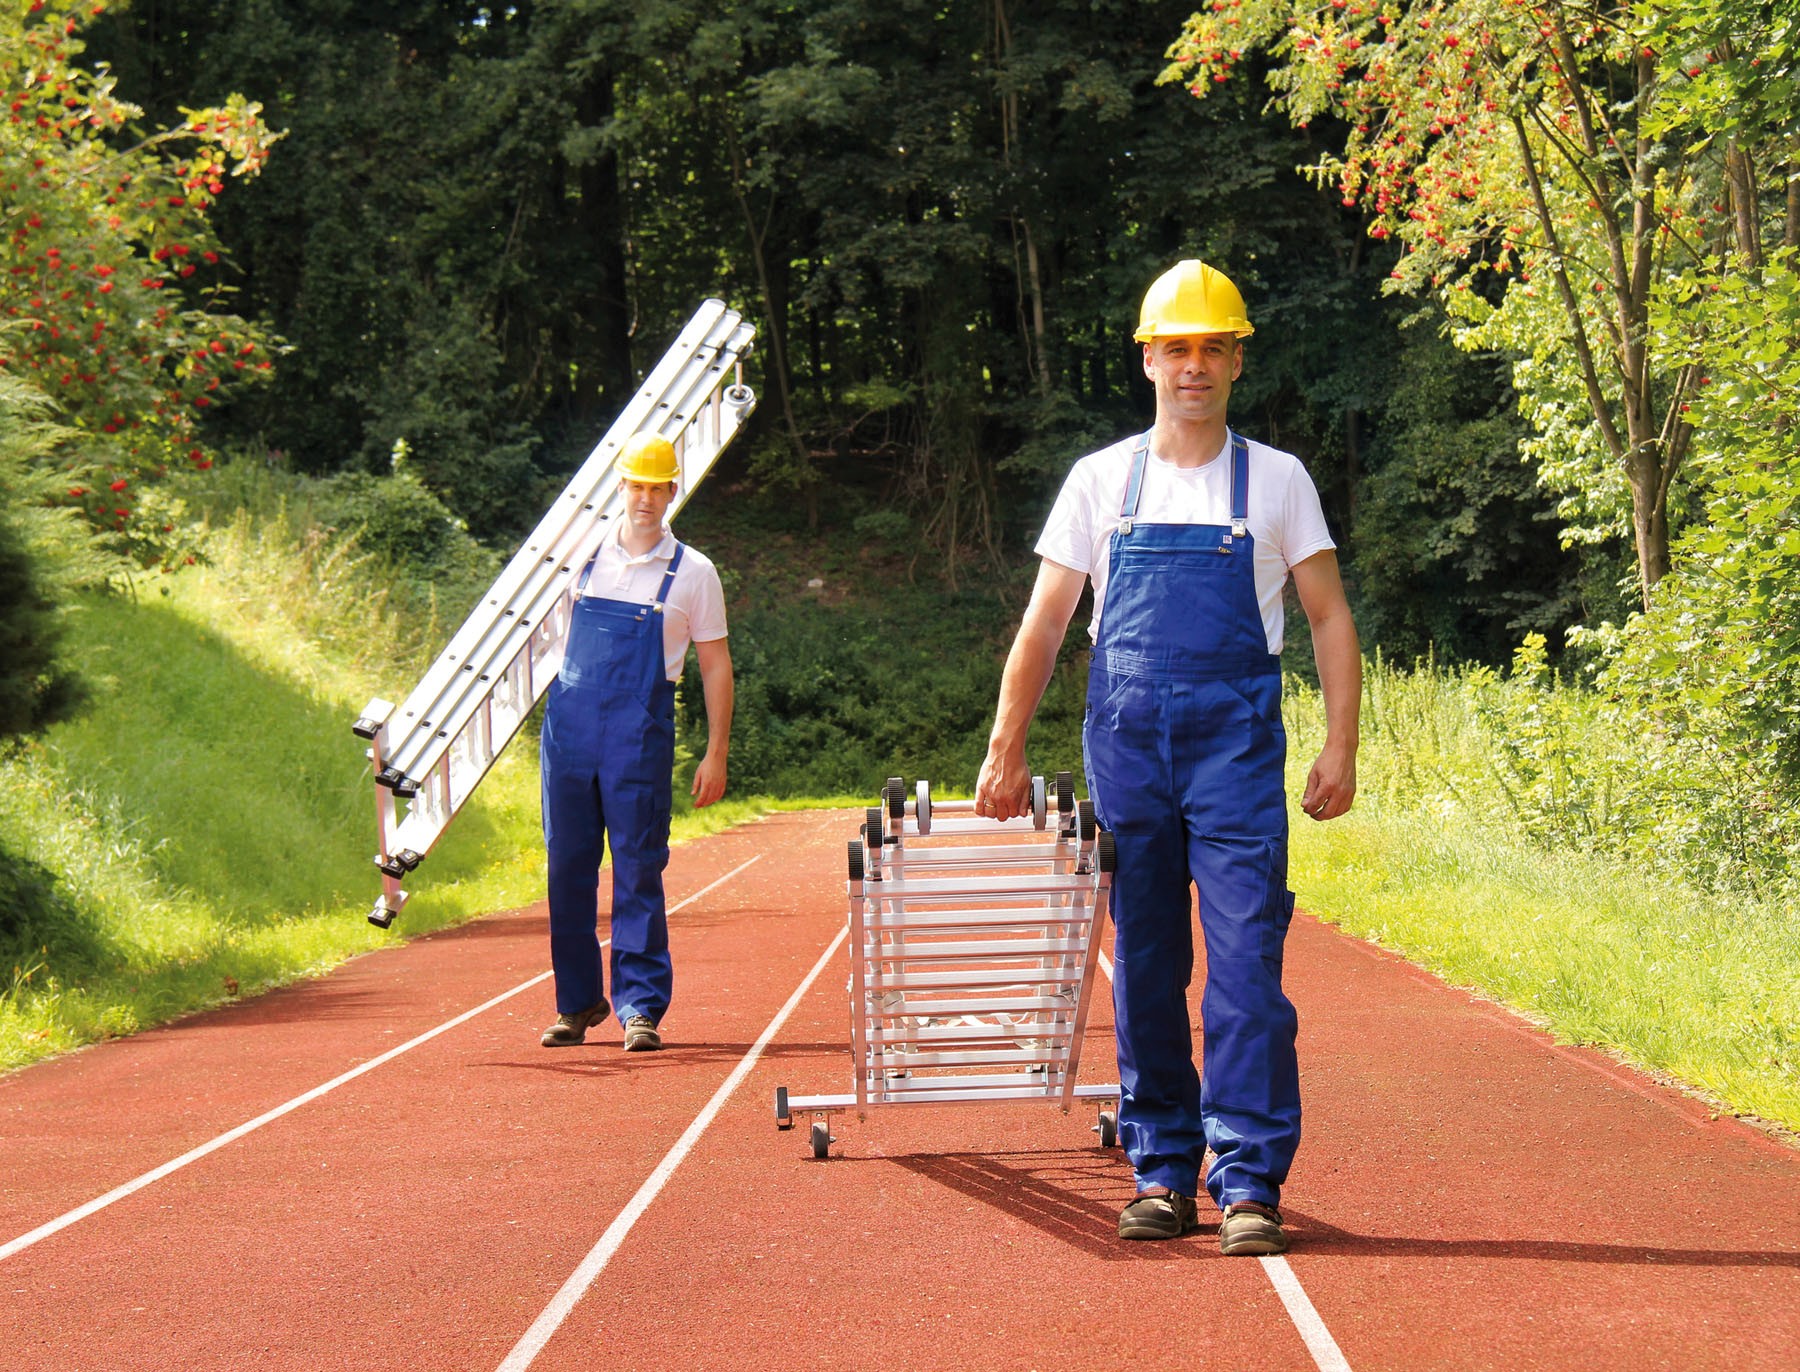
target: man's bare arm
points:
(1331, 785)
(1004, 789)
(720, 688)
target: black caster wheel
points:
(1065, 793)
(895, 793)
(1108, 1129)
(821, 1139)
(856, 859)
(783, 1120)
(1085, 821)
(1106, 852)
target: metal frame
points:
(973, 947)
(433, 750)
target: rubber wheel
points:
(1107, 852)
(783, 1120)
(895, 791)
(922, 807)
(873, 827)
(856, 859)
(821, 1139)
(1109, 1129)
(1088, 824)
(1065, 792)
(1040, 803)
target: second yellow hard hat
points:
(1192, 298)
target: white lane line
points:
(81, 1212)
(595, 1262)
(1306, 1319)
(1305, 1316)
(704, 889)
(118, 1193)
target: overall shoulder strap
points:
(668, 581)
(1134, 484)
(1240, 484)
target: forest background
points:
(309, 309)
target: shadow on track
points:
(1313, 1236)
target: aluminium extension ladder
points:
(433, 751)
(973, 947)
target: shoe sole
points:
(643, 1043)
(1144, 1231)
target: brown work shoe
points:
(1251, 1229)
(570, 1030)
(1158, 1215)
(641, 1035)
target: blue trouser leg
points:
(642, 973)
(639, 753)
(1153, 959)
(1250, 1087)
(574, 841)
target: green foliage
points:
(113, 279)
(1454, 553)
(45, 552)
(1708, 679)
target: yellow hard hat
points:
(1191, 298)
(647, 457)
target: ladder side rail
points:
(565, 509)
(540, 571)
(1090, 964)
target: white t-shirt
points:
(1284, 515)
(695, 609)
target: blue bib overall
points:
(608, 751)
(1185, 750)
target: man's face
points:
(646, 502)
(1193, 373)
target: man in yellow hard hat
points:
(1188, 533)
(608, 750)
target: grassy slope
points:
(1699, 984)
(206, 824)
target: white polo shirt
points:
(1284, 516)
(695, 609)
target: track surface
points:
(1469, 1195)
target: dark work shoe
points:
(570, 1030)
(641, 1035)
(1251, 1229)
(1158, 1215)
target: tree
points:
(47, 551)
(1522, 153)
(113, 280)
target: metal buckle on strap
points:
(1239, 528)
(1124, 526)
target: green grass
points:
(1701, 984)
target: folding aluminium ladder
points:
(431, 752)
(973, 947)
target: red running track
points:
(421, 1185)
